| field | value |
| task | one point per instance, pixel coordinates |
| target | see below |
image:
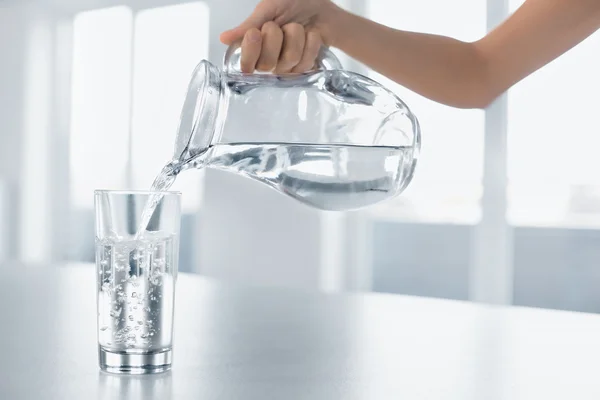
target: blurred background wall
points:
(505, 206)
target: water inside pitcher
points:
(330, 138)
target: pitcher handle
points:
(325, 61)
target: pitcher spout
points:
(200, 118)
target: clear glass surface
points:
(136, 281)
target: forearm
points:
(534, 35)
(468, 75)
(440, 68)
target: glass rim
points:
(138, 192)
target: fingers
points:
(292, 49)
(265, 11)
(312, 47)
(251, 49)
(280, 49)
(272, 42)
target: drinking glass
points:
(136, 280)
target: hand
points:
(283, 35)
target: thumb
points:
(263, 12)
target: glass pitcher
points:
(332, 139)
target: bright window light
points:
(169, 43)
(447, 184)
(100, 102)
(553, 131)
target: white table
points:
(236, 342)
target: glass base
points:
(137, 363)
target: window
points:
(447, 183)
(100, 102)
(130, 70)
(554, 184)
(169, 43)
(130, 73)
(553, 129)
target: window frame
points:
(491, 269)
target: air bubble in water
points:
(144, 335)
(103, 328)
(115, 313)
(133, 294)
(131, 317)
(140, 323)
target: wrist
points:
(331, 24)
